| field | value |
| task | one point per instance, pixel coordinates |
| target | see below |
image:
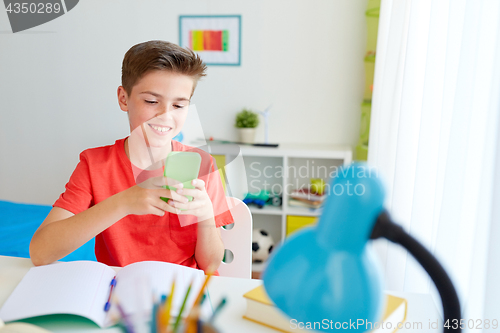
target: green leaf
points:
(247, 119)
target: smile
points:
(160, 129)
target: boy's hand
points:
(145, 198)
(200, 206)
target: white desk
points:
(421, 307)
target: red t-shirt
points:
(105, 171)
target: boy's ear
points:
(122, 98)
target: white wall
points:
(492, 294)
(58, 81)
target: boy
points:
(131, 222)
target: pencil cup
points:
(208, 328)
(205, 327)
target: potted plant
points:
(246, 122)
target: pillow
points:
(18, 223)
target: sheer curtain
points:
(433, 137)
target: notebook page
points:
(138, 282)
(77, 287)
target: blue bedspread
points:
(18, 223)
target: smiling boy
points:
(115, 192)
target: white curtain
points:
(433, 137)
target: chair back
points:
(237, 242)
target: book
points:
(21, 328)
(261, 309)
(310, 202)
(299, 203)
(83, 287)
(306, 194)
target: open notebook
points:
(82, 288)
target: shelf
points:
(303, 211)
(271, 210)
(300, 150)
(342, 152)
(279, 171)
(267, 210)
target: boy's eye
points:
(178, 106)
(151, 102)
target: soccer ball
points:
(262, 245)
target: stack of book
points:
(261, 310)
(305, 198)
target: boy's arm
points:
(209, 250)
(62, 232)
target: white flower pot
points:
(247, 135)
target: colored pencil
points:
(217, 310)
(178, 320)
(202, 290)
(192, 320)
(194, 314)
(154, 318)
(165, 316)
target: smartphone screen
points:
(182, 166)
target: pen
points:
(111, 287)
(129, 328)
(199, 326)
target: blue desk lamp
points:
(327, 271)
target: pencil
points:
(194, 314)
(165, 317)
(178, 320)
(217, 310)
(154, 318)
(192, 320)
(199, 299)
(160, 327)
(201, 293)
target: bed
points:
(18, 223)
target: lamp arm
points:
(384, 227)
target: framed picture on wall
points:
(216, 38)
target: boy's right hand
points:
(145, 198)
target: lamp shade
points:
(326, 274)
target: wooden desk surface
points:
(421, 307)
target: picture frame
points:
(215, 38)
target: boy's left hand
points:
(200, 206)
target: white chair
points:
(237, 240)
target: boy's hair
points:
(159, 55)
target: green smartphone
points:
(182, 166)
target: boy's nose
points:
(166, 112)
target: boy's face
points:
(159, 103)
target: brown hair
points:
(160, 55)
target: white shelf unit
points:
(284, 168)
